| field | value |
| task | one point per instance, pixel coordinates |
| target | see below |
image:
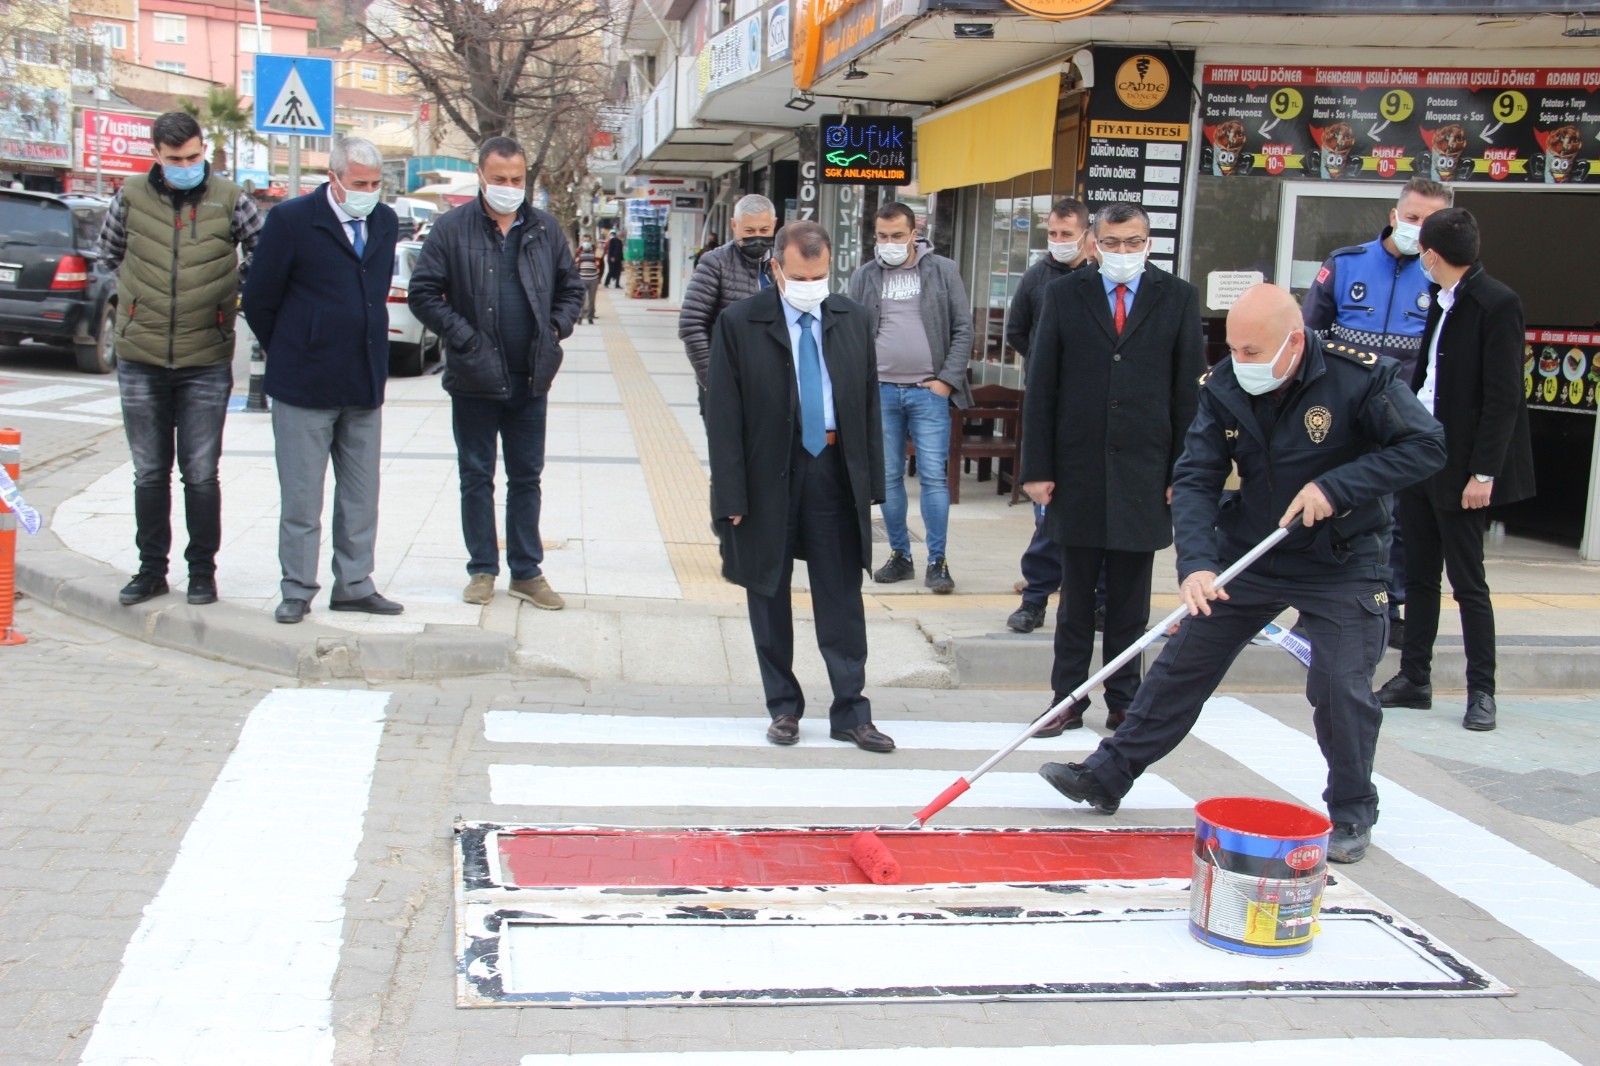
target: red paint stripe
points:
(763, 858)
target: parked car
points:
(412, 346)
(52, 286)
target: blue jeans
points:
(175, 414)
(481, 426)
(922, 416)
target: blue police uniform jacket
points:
(1367, 299)
(1346, 422)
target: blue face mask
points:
(183, 178)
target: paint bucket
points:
(1259, 870)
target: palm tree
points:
(224, 121)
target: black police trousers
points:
(1348, 626)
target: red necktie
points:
(1122, 307)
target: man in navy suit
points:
(319, 309)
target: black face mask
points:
(755, 249)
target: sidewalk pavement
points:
(628, 543)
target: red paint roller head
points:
(872, 856)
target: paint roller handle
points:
(940, 802)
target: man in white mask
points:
(1321, 434)
(1374, 296)
(796, 449)
(318, 307)
(1111, 389)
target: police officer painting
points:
(1374, 297)
(1322, 434)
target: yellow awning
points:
(992, 137)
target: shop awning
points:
(992, 136)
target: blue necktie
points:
(360, 241)
(813, 430)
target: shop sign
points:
(866, 150)
(1059, 10)
(778, 31)
(730, 56)
(35, 125)
(116, 143)
(850, 28)
(1139, 138)
(1560, 369)
(1395, 123)
(897, 11)
(807, 40)
(806, 195)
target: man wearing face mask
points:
(173, 237)
(1374, 297)
(923, 324)
(1322, 434)
(796, 454)
(724, 276)
(318, 305)
(1110, 391)
(1068, 248)
(497, 283)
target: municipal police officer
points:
(1323, 433)
(1374, 297)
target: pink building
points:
(216, 40)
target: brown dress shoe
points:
(1115, 718)
(785, 729)
(866, 737)
(1072, 718)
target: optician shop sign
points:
(1394, 123)
(866, 150)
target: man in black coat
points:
(796, 447)
(1111, 391)
(1470, 377)
(614, 260)
(318, 308)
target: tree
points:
(224, 121)
(528, 69)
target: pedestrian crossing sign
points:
(294, 94)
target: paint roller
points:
(874, 858)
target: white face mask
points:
(893, 254)
(1428, 274)
(503, 199)
(1122, 267)
(1405, 236)
(805, 296)
(356, 202)
(1064, 251)
(1257, 378)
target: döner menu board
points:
(1560, 369)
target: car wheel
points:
(100, 356)
(406, 360)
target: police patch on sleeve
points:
(1318, 421)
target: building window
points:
(171, 68)
(37, 48)
(111, 34)
(369, 73)
(171, 29)
(247, 83)
(402, 76)
(247, 38)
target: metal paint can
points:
(1260, 866)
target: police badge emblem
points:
(1318, 421)
(1423, 301)
(1358, 291)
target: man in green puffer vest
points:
(173, 238)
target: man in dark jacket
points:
(1111, 392)
(318, 307)
(614, 260)
(796, 464)
(177, 301)
(1321, 434)
(497, 283)
(1470, 377)
(724, 276)
(922, 321)
(1068, 247)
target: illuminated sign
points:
(866, 150)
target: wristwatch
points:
(1482, 479)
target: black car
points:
(52, 287)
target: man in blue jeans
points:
(923, 329)
(497, 281)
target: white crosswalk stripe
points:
(42, 394)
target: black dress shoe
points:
(1115, 718)
(1026, 619)
(1480, 712)
(1071, 718)
(1401, 691)
(372, 603)
(866, 737)
(1075, 782)
(785, 729)
(291, 611)
(143, 587)
(202, 590)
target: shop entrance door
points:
(1317, 218)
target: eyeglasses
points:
(1112, 244)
